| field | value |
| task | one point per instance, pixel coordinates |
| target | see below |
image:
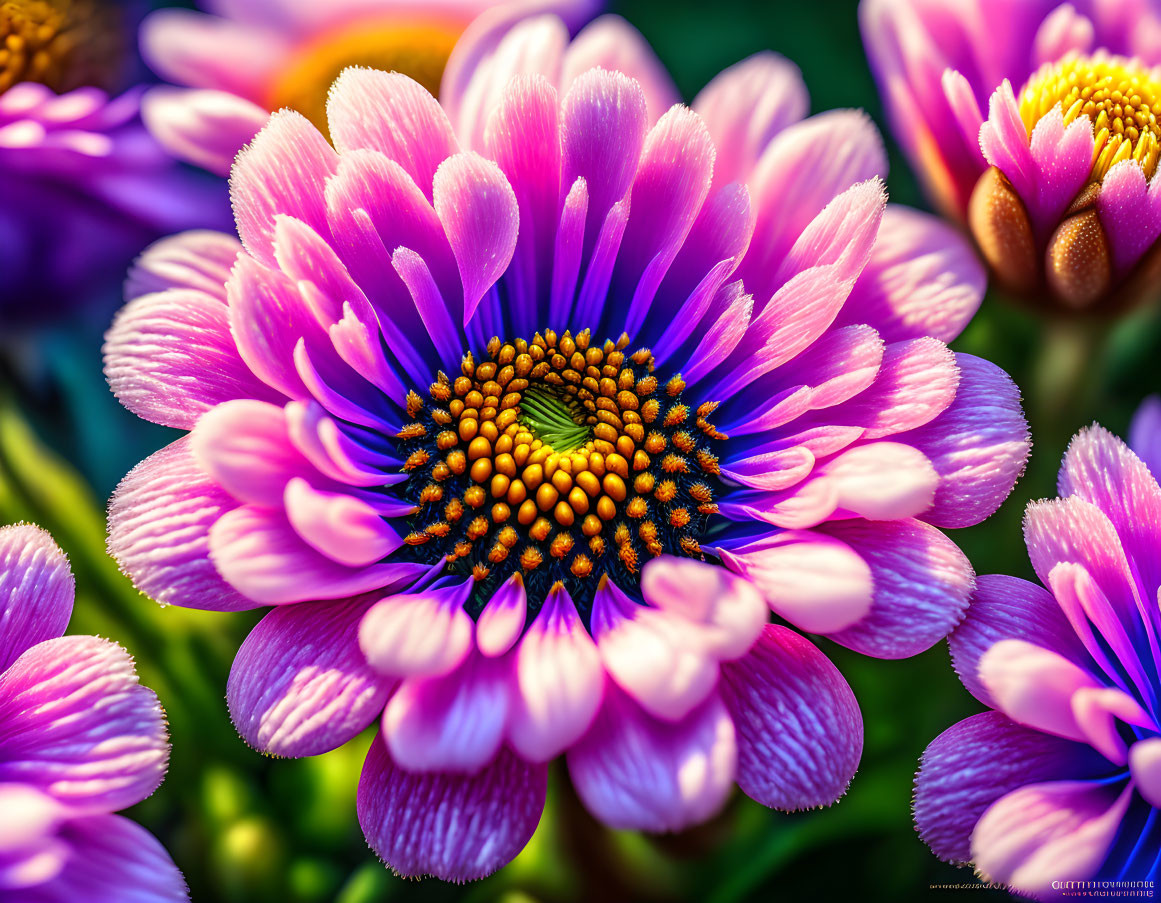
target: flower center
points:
(1120, 96)
(560, 459)
(59, 43)
(417, 49)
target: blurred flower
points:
(80, 738)
(1062, 781)
(483, 415)
(83, 188)
(248, 58)
(1056, 182)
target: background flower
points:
(1037, 124)
(1062, 781)
(80, 739)
(467, 554)
(241, 60)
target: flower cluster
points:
(1057, 180)
(524, 411)
(80, 738)
(1062, 780)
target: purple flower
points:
(1056, 180)
(246, 58)
(80, 738)
(83, 188)
(483, 413)
(1062, 780)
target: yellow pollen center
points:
(417, 49)
(1120, 96)
(59, 43)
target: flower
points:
(83, 188)
(1061, 781)
(80, 738)
(243, 59)
(1057, 182)
(482, 416)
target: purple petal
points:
(159, 522)
(923, 279)
(745, 106)
(418, 634)
(502, 620)
(390, 113)
(300, 685)
(635, 772)
(77, 724)
(1063, 157)
(921, 580)
(978, 444)
(452, 722)
(1024, 837)
(974, 763)
(454, 827)
(1145, 434)
(36, 590)
(206, 128)
(283, 170)
(112, 858)
(1130, 212)
(1145, 764)
(800, 732)
(170, 357)
(199, 260)
(478, 210)
(559, 681)
(1009, 608)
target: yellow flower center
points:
(417, 49)
(59, 43)
(1120, 96)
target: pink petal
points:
(79, 726)
(418, 634)
(800, 732)
(36, 590)
(299, 685)
(206, 128)
(454, 827)
(635, 772)
(502, 620)
(200, 260)
(343, 528)
(159, 523)
(1145, 764)
(559, 681)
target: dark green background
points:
(247, 828)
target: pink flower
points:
(1062, 780)
(1057, 180)
(485, 412)
(80, 738)
(246, 58)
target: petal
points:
(559, 681)
(1005, 608)
(1145, 764)
(922, 583)
(478, 210)
(502, 620)
(978, 444)
(170, 357)
(159, 525)
(1130, 212)
(745, 106)
(800, 732)
(345, 529)
(1145, 434)
(300, 685)
(418, 634)
(200, 260)
(452, 722)
(816, 582)
(113, 858)
(75, 722)
(36, 590)
(923, 279)
(1024, 837)
(394, 115)
(635, 772)
(454, 827)
(974, 763)
(206, 128)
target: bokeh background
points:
(244, 827)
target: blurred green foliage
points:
(244, 827)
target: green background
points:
(248, 828)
